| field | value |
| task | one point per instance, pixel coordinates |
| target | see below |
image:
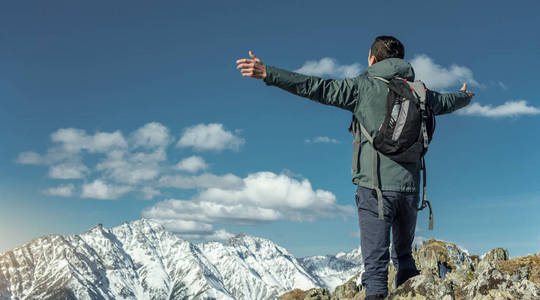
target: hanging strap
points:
(375, 166)
(424, 198)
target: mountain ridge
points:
(141, 260)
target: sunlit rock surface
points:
(448, 272)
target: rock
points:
(495, 284)
(424, 286)
(317, 294)
(296, 294)
(494, 276)
(392, 272)
(491, 257)
(527, 267)
(434, 253)
(346, 291)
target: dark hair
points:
(386, 46)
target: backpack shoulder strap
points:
(381, 79)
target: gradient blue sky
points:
(108, 66)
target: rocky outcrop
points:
(450, 273)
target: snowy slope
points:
(333, 270)
(141, 260)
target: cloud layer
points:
(192, 164)
(65, 190)
(107, 165)
(210, 137)
(508, 109)
(259, 198)
(322, 139)
(437, 77)
(329, 66)
(98, 189)
(75, 140)
(434, 75)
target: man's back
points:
(365, 97)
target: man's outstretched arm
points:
(448, 102)
(340, 93)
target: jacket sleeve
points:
(340, 93)
(447, 102)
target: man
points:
(365, 97)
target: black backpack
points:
(405, 133)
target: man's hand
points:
(252, 67)
(464, 88)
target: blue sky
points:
(114, 111)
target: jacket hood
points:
(390, 68)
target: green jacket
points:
(365, 97)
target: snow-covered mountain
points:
(333, 270)
(141, 260)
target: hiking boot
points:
(376, 297)
(404, 275)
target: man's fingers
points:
(251, 67)
(245, 65)
(464, 87)
(244, 60)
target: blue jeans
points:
(400, 210)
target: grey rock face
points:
(491, 257)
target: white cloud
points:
(216, 235)
(68, 170)
(132, 168)
(30, 158)
(437, 77)
(181, 226)
(136, 164)
(54, 155)
(329, 66)
(149, 192)
(322, 139)
(75, 140)
(220, 235)
(192, 164)
(195, 230)
(508, 109)
(98, 189)
(210, 137)
(270, 190)
(151, 135)
(61, 190)
(206, 180)
(263, 197)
